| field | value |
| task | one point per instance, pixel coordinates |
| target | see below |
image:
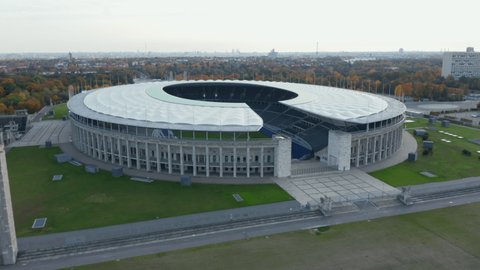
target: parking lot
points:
(474, 116)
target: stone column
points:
(261, 161)
(389, 141)
(374, 154)
(365, 161)
(194, 160)
(82, 140)
(89, 145)
(248, 161)
(357, 162)
(234, 162)
(87, 140)
(158, 158)
(282, 158)
(169, 159)
(399, 138)
(137, 152)
(340, 149)
(127, 145)
(120, 154)
(220, 154)
(207, 161)
(147, 156)
(105, 155)
(380, 145)
(96, 145)
(181, 161)
(99, 146)
(112, 152)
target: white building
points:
(461, 64)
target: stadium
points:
(234, 128)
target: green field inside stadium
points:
(59, 111)
(82, 200)
(447, 161)
(440, 239)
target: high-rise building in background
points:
(461, 64)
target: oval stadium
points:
(234, 128)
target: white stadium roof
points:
(149, 104)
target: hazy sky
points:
(247, 25)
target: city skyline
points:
(247, 26)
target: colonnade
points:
(176, 156)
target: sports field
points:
(83, 200)
(441, 239)
(447, 161)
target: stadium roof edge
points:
(153, 107)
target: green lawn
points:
(447, 160)
(83, 200)
(441, 239)
(59, 111)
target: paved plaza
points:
(348, 186)
(56, 131)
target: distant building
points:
(273, 54)
(461, 64)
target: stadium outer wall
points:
(222, 158)
(225, 158)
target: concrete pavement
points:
(56, 131)
(347, 186)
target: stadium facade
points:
(234, 128)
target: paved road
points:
(41, 113)
(242, 233)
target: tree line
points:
(416, 78)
